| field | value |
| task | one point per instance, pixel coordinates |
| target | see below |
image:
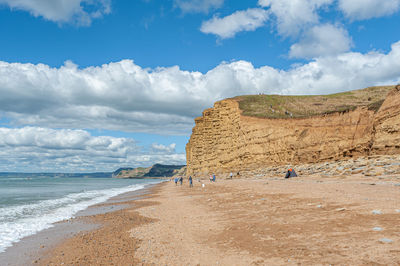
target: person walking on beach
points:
(181, 180)
(214, 178)
(176, 181)
(190, 181)
(231, 175)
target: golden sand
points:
(305, 221)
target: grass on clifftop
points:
(278, 106)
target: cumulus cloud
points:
(123, 96)
(322, 40)
(61, 139)
(229, 26)
(292, 16)
(80, 12)
(44, 149)
(163, 148)
(366, 9)
(198, 6)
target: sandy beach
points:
(248, 221)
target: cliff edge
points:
(248, 132)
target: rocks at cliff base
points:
(386, 240)
(363, 166)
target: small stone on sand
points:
(376, 212)
(377, 229)
(385, 240)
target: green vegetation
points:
(278, 106)
(157, 170)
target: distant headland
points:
(154, 171)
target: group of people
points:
(290, 173)
(213, 178)
(180, 180)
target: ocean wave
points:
(17, 222)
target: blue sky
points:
(93, 85)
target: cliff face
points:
(223, 140)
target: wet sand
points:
(249, 221)
(32, 250)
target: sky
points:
(94, 85)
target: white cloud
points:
(80, 12)
(366, 9)
(294, 15)
(123, 96)
(229, 26)
(322, 40)
(198, 6)
(44, 149)
(163, 148)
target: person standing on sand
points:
(214, 178)
(176, 181)
(211, 178)
(231, 175)
(190, 181)
(181, 180)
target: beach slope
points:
(249, 221)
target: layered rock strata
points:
(223, 140)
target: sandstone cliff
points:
(224, 139)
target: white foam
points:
(18, 222)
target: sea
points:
(29, 204)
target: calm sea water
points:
(31, 204)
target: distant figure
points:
(176, 181)
(238, 174)
(214, 178)
(181, 180)
(190, 181)
(290, 173)
(211, 178)
(231, 175)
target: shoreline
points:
(32, 249)
(91, 247)
(247, 221)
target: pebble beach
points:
(307, 220)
